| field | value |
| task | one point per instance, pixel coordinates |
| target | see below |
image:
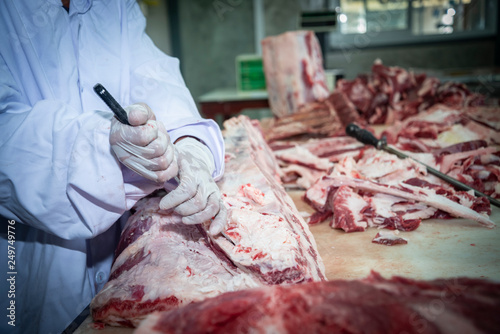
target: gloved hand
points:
(197, 198)
(145, 146)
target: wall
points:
(214, 32)
(157, 26)
(465, 54)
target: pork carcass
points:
(371, 305)
(293, 66)
(162, 264)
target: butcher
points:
(69, 170)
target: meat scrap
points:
(374, 304)
(293, 66)
(389, 238)
(162, 264)
(387, 192)
(390, 94)
(453, 142)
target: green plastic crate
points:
(250, 73)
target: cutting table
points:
(437, 249)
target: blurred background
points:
(216, 40)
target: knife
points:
(366, 137)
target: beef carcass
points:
(372, 305)
(265, 234)
(163, 264)
(293, 66)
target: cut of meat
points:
(414, 193)
(163, 264)
(389, 238)
(267, 236)
(293, 67)
(348, 210)
(344, 108)
(302, 156)
(488, 116)
(383, 191)
(166, 265)
(316, 119)
(302, 177)
(390, 94)
(372, 305)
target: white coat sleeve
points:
(157, 81)
(57, 172)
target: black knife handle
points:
(115, 107)
(362, 135)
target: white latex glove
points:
(145, 146)
(197, 198)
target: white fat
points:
(261, 235)
(382, 203)
(436, 116)
(457, 134)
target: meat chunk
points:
(389, 238)
(167, 266)
(372, 305)
(293, 66)
(163, 264)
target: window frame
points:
(336, 41)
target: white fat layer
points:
(356, 204)
(457, 134)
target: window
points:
(370, 23)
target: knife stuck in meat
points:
(366, 137)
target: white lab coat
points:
(59, 181)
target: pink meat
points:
(372, 305)
(389, 238)
(163, 264)
(348, 210)
(423, 195)
(293, 67)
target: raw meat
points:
(163, 264)
(266, 234)
(390, 94)
(488, 116)
(372, 305)
(451, 141)
(389, 238)
(414, 193)
(299, 176)
(383, 191)
(304, 157)
(438, 127)
(348, 210)
(293, 67)
(318, 119)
